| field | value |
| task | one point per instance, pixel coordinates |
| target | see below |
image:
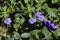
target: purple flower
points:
(32, 20)
(8, 21)
(40, 16)
(48, 22)
(51, 26)
(54, 26)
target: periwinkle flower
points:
(40, 16)
(8, 21)
(48, 22)
(54, 26)
(32, 20)
(51, 26)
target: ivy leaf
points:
(9, 38)
(41, 2)
(16, 35)
(47, 33)
(26, 1)
(45, 6)
(1, 14)
(32, 37)
(5, 15)
(35, 33)
(36, 1)
(16, 26)
(4, 8)
(19, 18)
(55, 1)
(25, 35)
(52, 12)
(56, 33)
(22, 20)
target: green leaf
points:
(55, 1)
(5, 15)
(16, 26)
(56, 33)
(52, 12)
(47, 33)
(59, 8)
(35, 33)
(12, 2)
(22, 20)
(41, 2)
(39, 5)
(9, 38)
(25, 35)
(19, 18)
(22, 6)
(16, 35)
(32, 37)
(26, 1)
(45, 6)
(4, 8)
(1, 14)
(28, 7)
(36, 1)
(30, 15)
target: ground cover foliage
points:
(29, 19)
